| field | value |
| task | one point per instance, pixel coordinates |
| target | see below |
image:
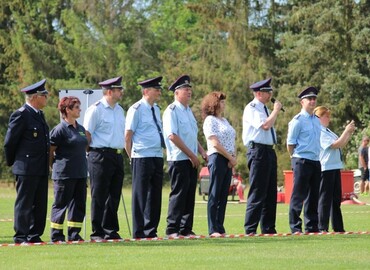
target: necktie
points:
(272, 129)
(159, 129)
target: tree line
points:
(223, 45)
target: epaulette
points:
(157, 105)
(21, 109)
(297, 116)
(172, 106)
(97, 103)
(253, 104)
(136, 105)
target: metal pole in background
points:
(87, 92)
(85, 228)
(124, 206)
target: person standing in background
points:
(331, 163)
(144, 143)
(220, 136)
(303, 145)
(237, 185)
(26, 148)
(259, 137)
(105, 129)
(181, 138)
(363, 164)
(68, 144)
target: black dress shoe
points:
(58, 239)
(269, 232)
(113, 236)
(96, 238)
(187, 233)
(35, 240)
(154, 235)
(20, 241)
(76, 238)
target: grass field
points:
(258, 252)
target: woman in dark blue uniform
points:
(68, 158)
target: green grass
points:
(283, 252)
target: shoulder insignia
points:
(157, 105)
(136, 105)
(172, 106)
(97, 103)
(297, 116)
(21, 109)
(253, 104)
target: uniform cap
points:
(151, 83)
(308, 92)
(183, 81)
(263, 86)
(38, 88)
(112, 83)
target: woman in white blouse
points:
(220, 136)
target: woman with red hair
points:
(68, 143)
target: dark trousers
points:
(106, 178)
(307, 175)
(262, 196)
(219, 184)
(147, 179)
(330, 201)
(68, 194)
(182, 197)
(30, 208)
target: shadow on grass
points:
(236, 241)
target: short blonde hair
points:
(321, 110)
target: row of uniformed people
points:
(27, 149)
(106, 132)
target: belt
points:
(107, 149)
(259, 145)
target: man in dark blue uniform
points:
(26, 148)
(303, 145)
(144, 142)
(259, 137)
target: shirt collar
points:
(306, 114)
(179, 104)
(258, 103)
(106, 104)
(65, 123)
(36, 110)
(146, 103)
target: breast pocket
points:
(306, 132)
(184, 126)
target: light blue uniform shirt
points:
(304, 132)
(106, 125)
(330, 158)
(254, 117)
(180, 121)
(146, 141)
